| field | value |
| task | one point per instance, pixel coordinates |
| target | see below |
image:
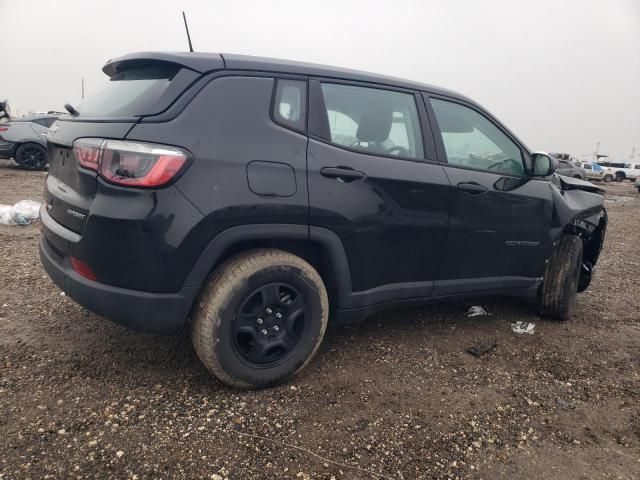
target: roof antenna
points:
(186, 27)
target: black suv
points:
(249, 198)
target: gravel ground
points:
(394, 398)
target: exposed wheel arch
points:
(318, 246)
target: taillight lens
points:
(83, 269)
(4, 129)
(87, 152)
(133, 164)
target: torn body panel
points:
(579, 210)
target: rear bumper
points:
(138, 310)
(7, 149)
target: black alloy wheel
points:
(269, 324)
(31, 156)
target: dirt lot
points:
(394, 398)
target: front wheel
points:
(608, 178)
(31, 156)
(260, 318)
(557, 294)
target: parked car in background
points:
(620, 171)
(637, 185)
(593, 171)
(23, 139)
(249, 197)
(570, 168)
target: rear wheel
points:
(31, 156)
(620, 177)
(260, 318)
(557, 294)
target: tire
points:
(242, 300)
(557, 294)
(620, 177)
(608, 178)
(31, 156)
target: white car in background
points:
(620, 171)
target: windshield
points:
(132, 92)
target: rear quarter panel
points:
(23, 132)
(226, 127)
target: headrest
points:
(375, 123)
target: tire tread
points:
(220, 288)
(558, 290)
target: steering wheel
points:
(518, 166)
(400, 151)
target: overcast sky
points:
(561, 74)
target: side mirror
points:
(543, 165)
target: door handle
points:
(472, 188)
(342, 174)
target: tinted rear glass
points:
(133, 92)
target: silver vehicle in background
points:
(569, 166)
(23, 139)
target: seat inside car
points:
(374, 127)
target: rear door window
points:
(372, 120)
(138, 89)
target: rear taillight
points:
(132, 164)
(87, 152)
(4, 129)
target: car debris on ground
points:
(22, 213)
(483, 347)
(523, 327)
(476, 311)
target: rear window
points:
(138, 90)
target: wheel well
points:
(29, 142)
(312, 252)
(592, 241)
(622, 174)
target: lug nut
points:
(276, 328)
(269, 311)
(264, 331)
(259, 321)
(278, 315)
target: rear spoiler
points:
(198, 62)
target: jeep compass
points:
(248, 199)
